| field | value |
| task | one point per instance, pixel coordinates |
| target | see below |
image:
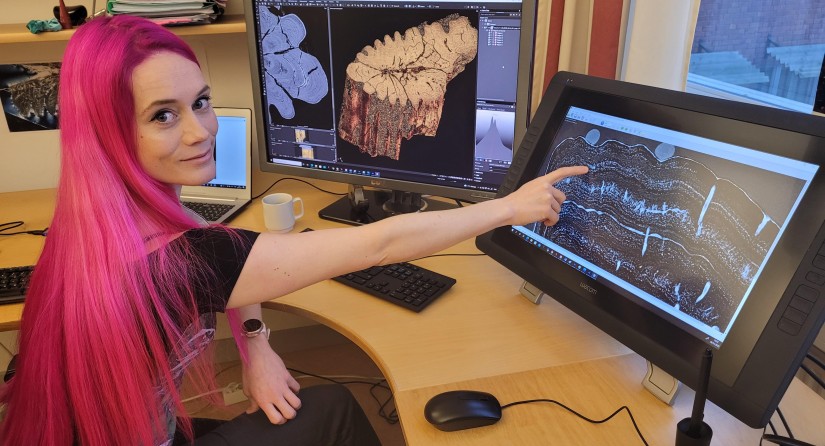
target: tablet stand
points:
(530, 292)
(660, 384)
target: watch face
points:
(252, 325)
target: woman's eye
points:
(202, 103)
(163, 117)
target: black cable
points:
(391, 417)
(296, 179)
(815, 360)
(779, 439)
(448, 254)
(784, 441)
(632, 420)
(16, 224)
(10, 225)
(790, 440)
(784, 423)
(813, 375)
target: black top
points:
(222, 255)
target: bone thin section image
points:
(396, 88)
(670, 227)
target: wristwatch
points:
(254, 327)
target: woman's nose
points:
(196, 129)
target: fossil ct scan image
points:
(395, 88)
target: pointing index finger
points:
(565, 172)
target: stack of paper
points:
(170, 12)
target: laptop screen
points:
(230, 153)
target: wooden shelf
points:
(18, 33)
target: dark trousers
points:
(329, 415)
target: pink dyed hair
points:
(93, 343)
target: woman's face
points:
(175, 122)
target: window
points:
(768, 52)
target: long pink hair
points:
(100, 320)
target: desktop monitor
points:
(406, 97)
(699, 225)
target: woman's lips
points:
(203, 155)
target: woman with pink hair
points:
(124, 296)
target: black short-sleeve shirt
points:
(224, 253)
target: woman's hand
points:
(268, 383)
(539, 200)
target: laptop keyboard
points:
(209, 211)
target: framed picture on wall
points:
(28, 93)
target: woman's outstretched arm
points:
(280, 264)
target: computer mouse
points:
(462, 409)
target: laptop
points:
(220, 199)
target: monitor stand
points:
(362, 206)
(660, 383)
(531, 292)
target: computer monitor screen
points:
(419, 96)
(699, 225)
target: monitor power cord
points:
(299, 180)
(790, 440)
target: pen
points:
(701, 395)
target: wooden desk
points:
(35, 209)
(481, 335)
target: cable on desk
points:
(448, 254)
(632, 420)
(784, 441)
(390, 417)
(16, 224)
(784, 422)
(779, 439)
(790, 440)
(816, 361)
(296, 179)
(813, 375)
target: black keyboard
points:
(404, 284)
(209, 211)
(14, 282)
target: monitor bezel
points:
(522, 117)
(752, 368)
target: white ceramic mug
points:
(279, 211)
